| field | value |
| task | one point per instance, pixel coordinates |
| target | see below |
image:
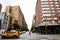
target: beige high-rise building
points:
(14, 13)
(33, 22)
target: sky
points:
(27, 7)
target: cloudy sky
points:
(27, 7)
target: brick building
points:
(14, 13)
(47, 12)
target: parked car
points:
(24, 31)
(2, 31)
(21, 32)
(12, 33)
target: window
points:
(44, 0)
(56, 2)
(44, 8)
(52, 8)
(51, 2)
(59, 14)
(53, 11)
(45, 11)
(55, 18)
(58, 11)
(46, 19)
(54, 14)
(51, 5)
(57, 5)
(44, 3)
(46, 15)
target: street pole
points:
(46, 27)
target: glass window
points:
(44, 5)
(53, 11)
(59, 14)
(51, 2)
(58, 8)
(52, 8)
(44, 2)
(56, 2)
(47, 19)
(55, 18)
(45, 11)
(54, 14)
(52, 5)
(58, 11)
(45, 8)
(57, 5)
(46, 15)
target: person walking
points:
(29, 33)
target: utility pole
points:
(46, 25)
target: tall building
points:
(0, 7)
(3, 20)
(10, 16)
(14, 13)
(47, 11)
(33, 23)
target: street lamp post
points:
(46, 25)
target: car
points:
(24, 31)
(10, 34)
(21, 32)
(2, 31)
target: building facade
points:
(33, 23)
(15, 13)
(3, 20)
(47, 11)
(47, 14)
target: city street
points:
(35, 36)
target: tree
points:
(16, 26)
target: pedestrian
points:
(29, 33)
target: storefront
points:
(50, 29)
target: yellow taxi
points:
(12, 33)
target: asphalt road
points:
(35, 36)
